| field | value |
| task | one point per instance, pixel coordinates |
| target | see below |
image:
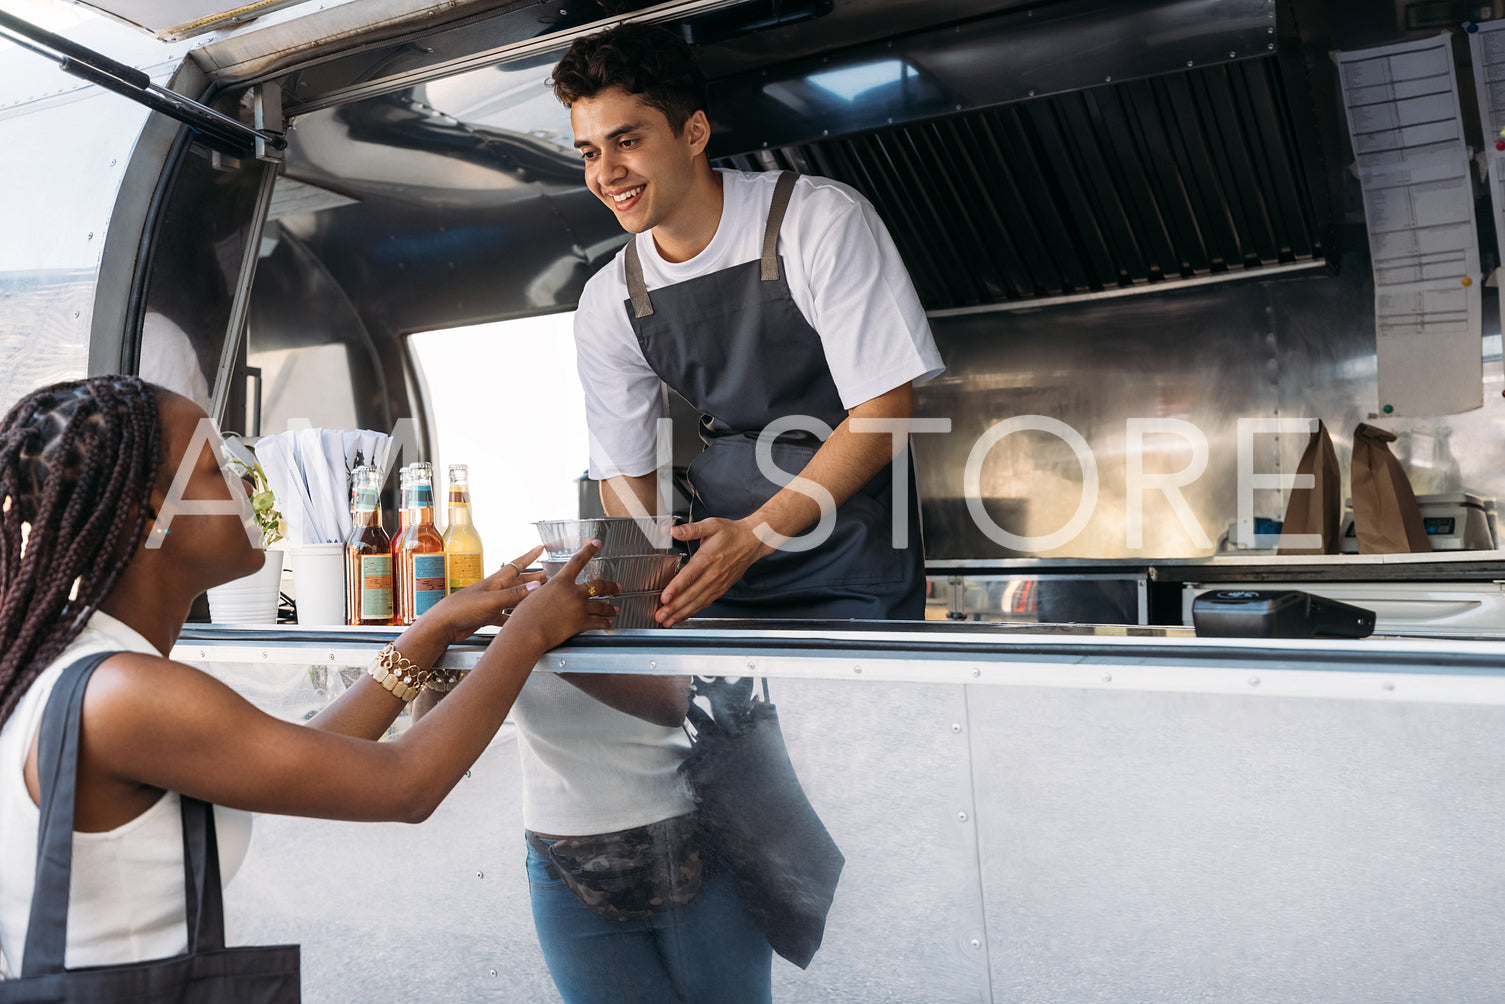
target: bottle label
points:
(376, 586)
(423, 497)
(428, 581)
(464, 570)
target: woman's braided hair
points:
(78, 461)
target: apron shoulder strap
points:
(637, 289)
(782, 190)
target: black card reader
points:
(1279, 613)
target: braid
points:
(75, 459)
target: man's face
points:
(633, 161)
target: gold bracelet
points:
(400, 675)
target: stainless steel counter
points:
(1029, 813)
(1108, 657)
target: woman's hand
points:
(461, 614)
(560, 608)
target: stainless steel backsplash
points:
(1301, 346)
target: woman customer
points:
(85, 567)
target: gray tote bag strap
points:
(57, 779)
(205, 891)
(57, 775)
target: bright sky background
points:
(54, 15)
(511, 407)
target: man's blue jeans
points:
(707, 951)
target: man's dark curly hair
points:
(645, 60)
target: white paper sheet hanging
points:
(1407, 132)
(1487, 47)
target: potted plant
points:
(252, 600)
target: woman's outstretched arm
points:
(151, 724)
(366, 710)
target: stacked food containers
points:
(635, 553)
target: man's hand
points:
(844, 463)
(728, 547)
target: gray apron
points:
(734, 344)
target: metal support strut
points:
(216, 130)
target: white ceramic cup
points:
(319, 583)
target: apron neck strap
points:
(637, 288)
(782, 190)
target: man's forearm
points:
(845, 462)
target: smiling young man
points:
(756, 297)
(825, 325)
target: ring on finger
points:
(591, 592)
(512, 565)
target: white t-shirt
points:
(844, 273)
(589, 768)
(126, 897)
(168, 360)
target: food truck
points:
(1157, 242)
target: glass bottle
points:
(355, 489)
(463, 556)
(401, 614)
(368, 556)
(421, 550)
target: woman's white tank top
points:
(126, 897)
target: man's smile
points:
(626, 198)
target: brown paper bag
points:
(1386, 518)
(1316, 510)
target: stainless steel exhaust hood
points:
(1075, 149)
(1177, 177)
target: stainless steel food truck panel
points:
(1027, 815)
